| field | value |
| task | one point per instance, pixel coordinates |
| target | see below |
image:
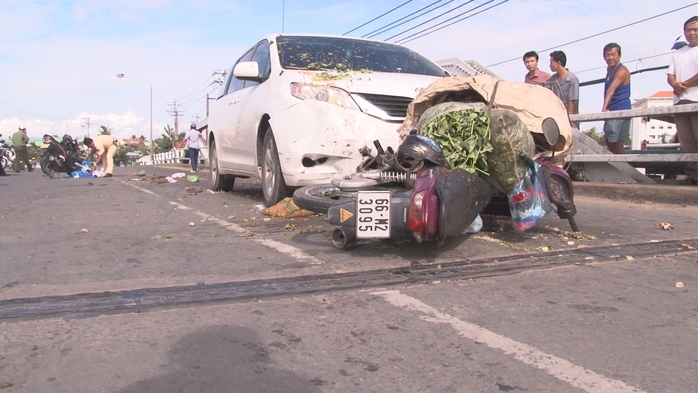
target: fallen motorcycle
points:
(415, 192)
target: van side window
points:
(261, 56)
(235, 84)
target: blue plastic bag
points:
(529, 201)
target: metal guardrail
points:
(599, 164)
(657, 111)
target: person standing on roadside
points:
(616, 98)
(564, 83)
(20, 140)
(105, 146)
(534, 76)
(682, 76)
(192, 137)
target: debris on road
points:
(665, 225)
(678, 285)
(84, 230)
(286, 208)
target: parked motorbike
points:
(415, 192)
(7, 154)
(59, 156)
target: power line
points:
(378, 17)
(598, 34)
(436, 17)
(205, 84)
(387, 27)
(629, 61)
(405, 40)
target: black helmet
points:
(416, 149)
(67, 138)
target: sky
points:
(59, 59)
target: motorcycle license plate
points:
(373, 215)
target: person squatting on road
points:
(564, 84)
(192, 137)
(106, 145)
(616, 98)
(20, 140)
(682, 76)
(534, 76)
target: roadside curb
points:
(656, 193)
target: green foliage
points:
(464, 137)
(594, 134)
(104, 130)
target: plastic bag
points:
(192, 178)
(529, 201)
(475, 226)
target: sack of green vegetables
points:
(474, 141)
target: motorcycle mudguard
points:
(345, 213)
(560, 191)
(463, 196)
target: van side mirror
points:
(247, 70)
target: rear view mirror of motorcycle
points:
(551, 131)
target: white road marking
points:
(291, 251)
(278, 246)
(561, 369)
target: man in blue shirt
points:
(616, 98)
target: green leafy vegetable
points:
(464, 137)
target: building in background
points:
(652, 130)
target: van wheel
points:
(273, 184)
(218, 182)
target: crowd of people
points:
(682, 76)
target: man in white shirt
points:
(682, 76)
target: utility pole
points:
(88, 125)
(219, 81)
(175, 112)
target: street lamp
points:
(152, 142)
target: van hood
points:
(382, 83)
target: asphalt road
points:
(128, 284)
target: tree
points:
(593, 133)
(104, 130)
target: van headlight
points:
(331, 95)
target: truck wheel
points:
(218, 182)
(273, 184)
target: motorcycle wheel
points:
(321, 197)
(47, 166)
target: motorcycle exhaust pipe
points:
(344, 238)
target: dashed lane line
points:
(561, 369)
(291, 251)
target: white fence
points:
(174, 156)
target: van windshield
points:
(346, 54)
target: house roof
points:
(662, 94)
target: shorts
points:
(615, 130)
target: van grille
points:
(392, 105)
